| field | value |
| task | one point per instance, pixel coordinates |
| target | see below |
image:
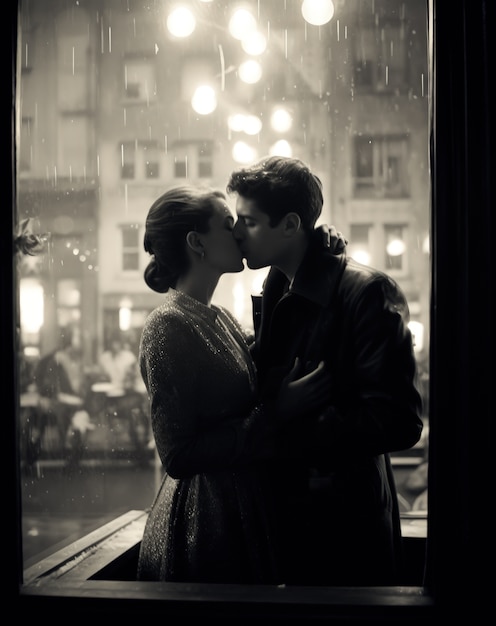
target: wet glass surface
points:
(115, 104)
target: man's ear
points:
(194, 242)
(291, 224)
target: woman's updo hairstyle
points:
(170, 218)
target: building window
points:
(181, 167)
(130, 247)
(380, 166)
(359, 244)
(205, 160)
(193, 159)
(151, 159)
(140, 160)
(380, 63)
(395, 248)
(128, 160)
(73, 62)
(74, 146)
(139, 80)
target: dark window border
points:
(462, 409)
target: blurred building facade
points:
(106, 124)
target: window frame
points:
(459, 532)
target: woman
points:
(211, 519)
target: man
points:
(335, 492)
(119, 364)
(63, 391)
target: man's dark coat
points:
(333, 484)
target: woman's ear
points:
(194, 242)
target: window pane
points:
(180, 169)
(113, 109)
(139, 79)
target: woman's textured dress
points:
(211, 519)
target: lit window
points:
(359, 245)
(395, 247)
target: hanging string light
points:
(317, 12)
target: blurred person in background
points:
(119, 364)
(124, 394)
(335, 495)
(63, 390)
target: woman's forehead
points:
(223, 208)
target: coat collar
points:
(317, 277)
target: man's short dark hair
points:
(280, 185)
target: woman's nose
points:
(236, 231)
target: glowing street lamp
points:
(317, 12)
(281, 148)
(181, 22)
(241, 23)
(31, 305)
(250, 71)
(417, 330)
(281, 120)
(125, 314)
(204, 100)
(254, 43)
(396, 247)
(236, 122)
(243, 153)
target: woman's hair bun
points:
(156, 278)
